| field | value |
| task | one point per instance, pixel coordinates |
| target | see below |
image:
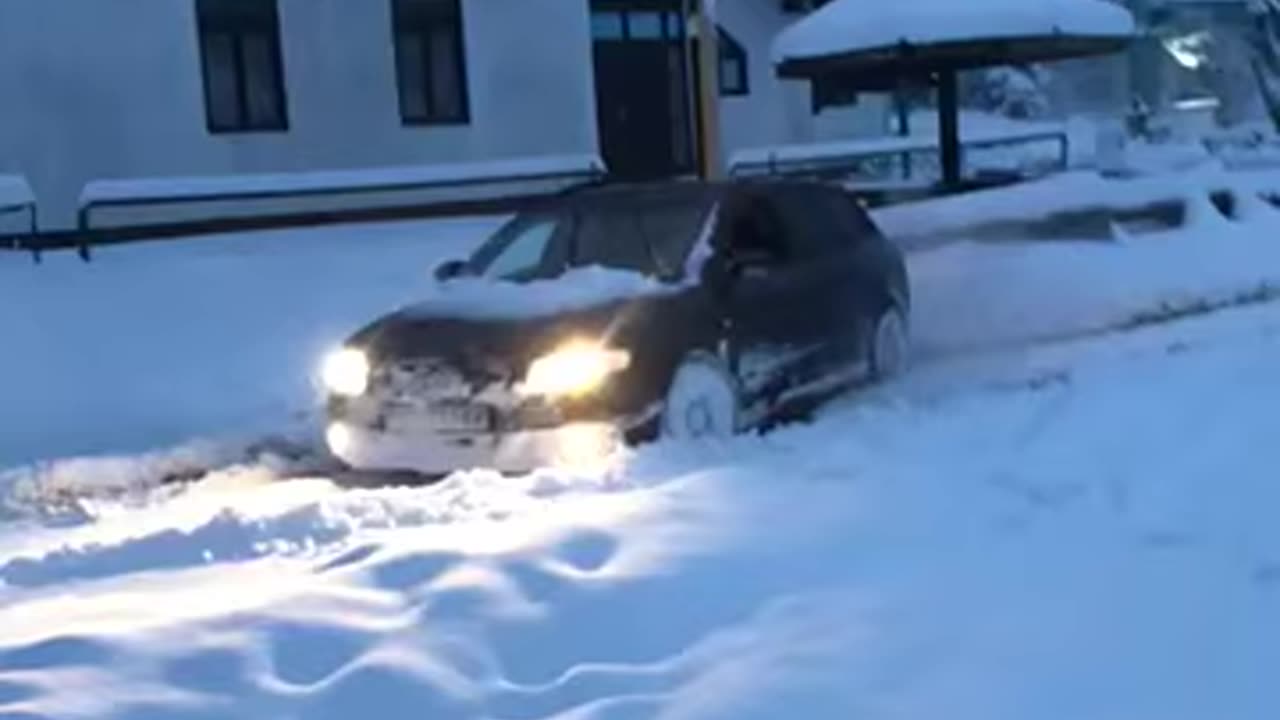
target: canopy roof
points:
(901, 37)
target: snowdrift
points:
(1097, 546)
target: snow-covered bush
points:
(1015, 92)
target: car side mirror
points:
(451, 269)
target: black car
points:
(624, 314)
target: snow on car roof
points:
(848, 26)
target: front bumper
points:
(579, 446)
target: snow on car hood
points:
(578, 289)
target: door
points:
(845, 279)
(778, 325)
(642, 103)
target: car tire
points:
(704, 401)
(890, 350)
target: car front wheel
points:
(704, 401)
(890, 345)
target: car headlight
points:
(575, 369)
(346, 373)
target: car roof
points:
(647, 193)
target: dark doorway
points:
(643, 96)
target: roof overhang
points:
(879, 43)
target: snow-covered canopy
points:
(847, 28)
(14, 192)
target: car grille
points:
(429, 378)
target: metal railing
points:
(16, 198)
(161, 192)
(892, 159)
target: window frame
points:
(554, 259)
(672, 29)
(733, 51)
(424, 28)
(212, 20)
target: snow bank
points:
(578, 289)
(1099, 546)
(15, 193)
(406, 177)
(846, 26)
(1069, 192)
(974, 295)
(154, 344)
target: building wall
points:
(780, 111)
(776, 111)
(112, 88)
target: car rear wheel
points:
(890, 345)
(704, 401)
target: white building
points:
(109, 89)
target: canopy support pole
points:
(902, 106)
(949, 127)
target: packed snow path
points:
(1087, 532)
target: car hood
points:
(474, 323)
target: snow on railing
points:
(15, 193)
(16, 197)
(183, 190)
(852, 155)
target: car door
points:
(777, 325)
(843, 289)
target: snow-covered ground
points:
(1066, 511)
(1088, 532)
(155, 344)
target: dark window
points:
(734, 70)
(735, 75)
(820, 221)
(243, 70)
(431, 65)
(757, 234)
(670, 232)
(611, 238)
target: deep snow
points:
(1024, 527)
(1088, 534)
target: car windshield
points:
(653, 239)
(516, 252)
